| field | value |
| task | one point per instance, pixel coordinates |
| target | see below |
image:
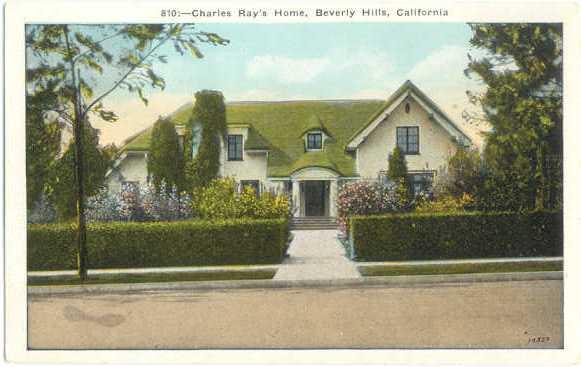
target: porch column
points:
(333, 198)
(296, 198)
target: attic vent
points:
(407, 107)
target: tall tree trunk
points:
(78, 130)
(533, 180)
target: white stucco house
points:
(308, 148)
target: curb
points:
(461, 261)
(394, 281)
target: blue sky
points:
(308, 61)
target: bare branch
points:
(116, 84)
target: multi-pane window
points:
(315, 141)
(234, 147)
(408, 139)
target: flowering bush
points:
(445, 204)
(165, 205)
(220, 200)
(42, 212)
(139, 203)
(104, 207)
(367, 198)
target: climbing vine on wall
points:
(210, 114)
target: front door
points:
(314, 198)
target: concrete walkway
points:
(316, 254)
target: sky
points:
(266, 62)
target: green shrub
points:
(444, 204)
(137, 245)
(220, 200)
(425, 236)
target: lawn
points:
(468, 268)
(153, 277)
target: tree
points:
(464, 172)
(42, 145)
(164, 159)
(523, 105)
(209, 113)
(84, 64)
(96, 163)
(397, 167)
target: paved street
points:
(502, 314)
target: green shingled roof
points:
(314, 159)
(255, 141)
(276, 126)
(314, 123)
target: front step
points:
(313, 223)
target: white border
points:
(17, 13)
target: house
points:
(308, 148)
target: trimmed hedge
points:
(427, 236)
(141, 245)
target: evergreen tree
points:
(397, 167)
(164, 159)
(209, 113)
(522, 70)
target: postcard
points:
(299, 182)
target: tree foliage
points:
(164, 162)
(464, 175)
(63, 182)
(84, 64)
(42, 146)
(209, 113)
(522, 70)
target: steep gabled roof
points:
(408, 89)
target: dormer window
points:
(315, 141)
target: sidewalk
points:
(316, 255)
(168, 270)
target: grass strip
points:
(433, 269)
(152, 278)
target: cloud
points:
(371, 65)
(286, 69)
(364, 64)
(445, 64)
